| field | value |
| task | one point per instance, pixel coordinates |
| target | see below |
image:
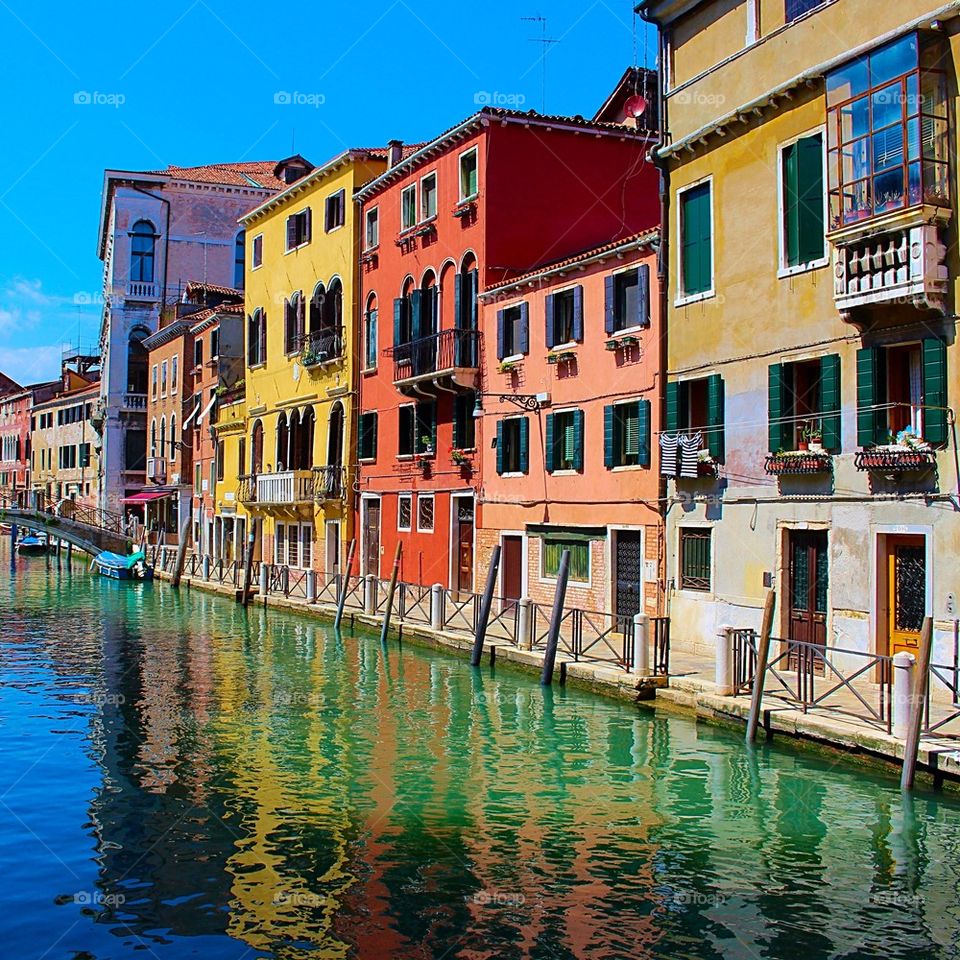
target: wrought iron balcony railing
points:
(441, 354)
(329, 483)
(321, 346)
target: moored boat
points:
(116, 566)
(32, 543)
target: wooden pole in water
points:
(391, 592)
(247, 570)
(918, 698)
(344, 586)
(181, 552)
(763, 657)
(556, 619)
(485, 604)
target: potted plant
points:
(458, 456)
(508, 366)
(815, 439)
(426, 446)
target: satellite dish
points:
(636, 106)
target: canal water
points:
(181, 778)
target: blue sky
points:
(138, 86)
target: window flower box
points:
(508, 366)
(798, 462)
(463, 209)
(564, 356)
(896, 458)
(459, 457)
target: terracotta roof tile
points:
(255, 173)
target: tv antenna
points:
(546, 43)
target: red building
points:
(16, 402)
(496, 196)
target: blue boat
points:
(118, 567)
(32, 543)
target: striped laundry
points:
(690, 454)
(668, 454)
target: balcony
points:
(903, 264)
(135, 401)
(329, 483)
(291, 488)
(139, 290)
(796, 463)
(247, 490)
(157, 469)
(320, 347)
(896, 459)
(448, 359)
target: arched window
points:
(239, 258)
(301, 447)
(256, 448)
(429, 305)
(465, 297)
(370, 333)
(257, 338)
(316, 307)
(283, 443)
(137, 361)
(153, 437)
(293, 323)
(163, 437)
(143, 241)
(173, 436)
(332, 319)
(335, 436)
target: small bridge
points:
(88, 529)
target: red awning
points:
(147, 496)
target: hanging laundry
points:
(690, 454)
(668, 454)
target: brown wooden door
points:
(809, 582)
(511, 564)
(371, 537)
(906, 592)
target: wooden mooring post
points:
(181, 553)
(390, 594)
(345, 585)
(918, 699)
(763, 657)
(244, 597)
(556, 620)
(485, 604)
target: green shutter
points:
(630, 427)
(577, 434)
(416, 313)
(777, 427)
(715, 439)
(791, 203)
(609, 437)
(868, 386)
(696, 235)
(934, 390)
(398, 321)
(810, 191)
(673, 407)
(524, 445)
(830, 401)
(500, 447)
(458, 300)
(644, 408)
(549, 453)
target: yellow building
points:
(301, 279)
(230, 518)
(810, 239)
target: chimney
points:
(394, 153)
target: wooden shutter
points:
(524, 334)
(830, 422)
(458, 300)
(291, 232)
(524, 445)
(609, 437)
(307, 224)
(643, 295)
(549, 314)
(501, 352)
(673, 407)
(934, 390)
(643, 432)
(715, 440)
(577, 439)
(696, 240)
(810, 198)
(578, 313)
(301, 317)
(416, 313)
(791, 204)
(262, 331)
(398, 321)
(474, 283)
(609, 304)
(868, 385)
(500, 447)
(549, 452)
(778, 430)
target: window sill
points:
(366, 459)
(329, 230)
(299, 246)
(784, 272)
(508, 476)
(369, 371)
(256, 266)
(628, 468)
(423, 530)
(565, 472)
(685, 300)
(631, 331)
(257, 366)
(463, 201)
(404, 529)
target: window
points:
(370, 335)
(174, 373)
(335, 211)
(425, 513)
(626, 434)
(513, 331)
(468, 175)
(408, 207)
(802, 195)
(293, 322)
(257, 338)
(804, 403)
(797, 8)
(214, 343)
(551, 554)
(901, 389)
(404, 511)
(298, 229)
(197, 471)
(564, 446)
(697, 406)
(173, 436)
(513, 445)
(239, 246)
(428, 197)
(406, 441)
(68, 458)
(696, 241)
(143, 239)
(371, 230)
(219, 455)
(367, 436)
(564, 316)
(695, 546)
(627, 299)
(257, 252)
(198, 352)
(163, 379)
(306, 545)
(887, 131)
(464, 423)
(154, 380)
(418, 428)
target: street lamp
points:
(526, 401)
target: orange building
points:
(571, 402)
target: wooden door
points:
(511, 565)
(464, 541)
(629, 573)
(809, 582)
(906, 592)
(371, 537)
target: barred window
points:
(695, 546)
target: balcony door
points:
(371, 536)
(809, 578)
(906, 592)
